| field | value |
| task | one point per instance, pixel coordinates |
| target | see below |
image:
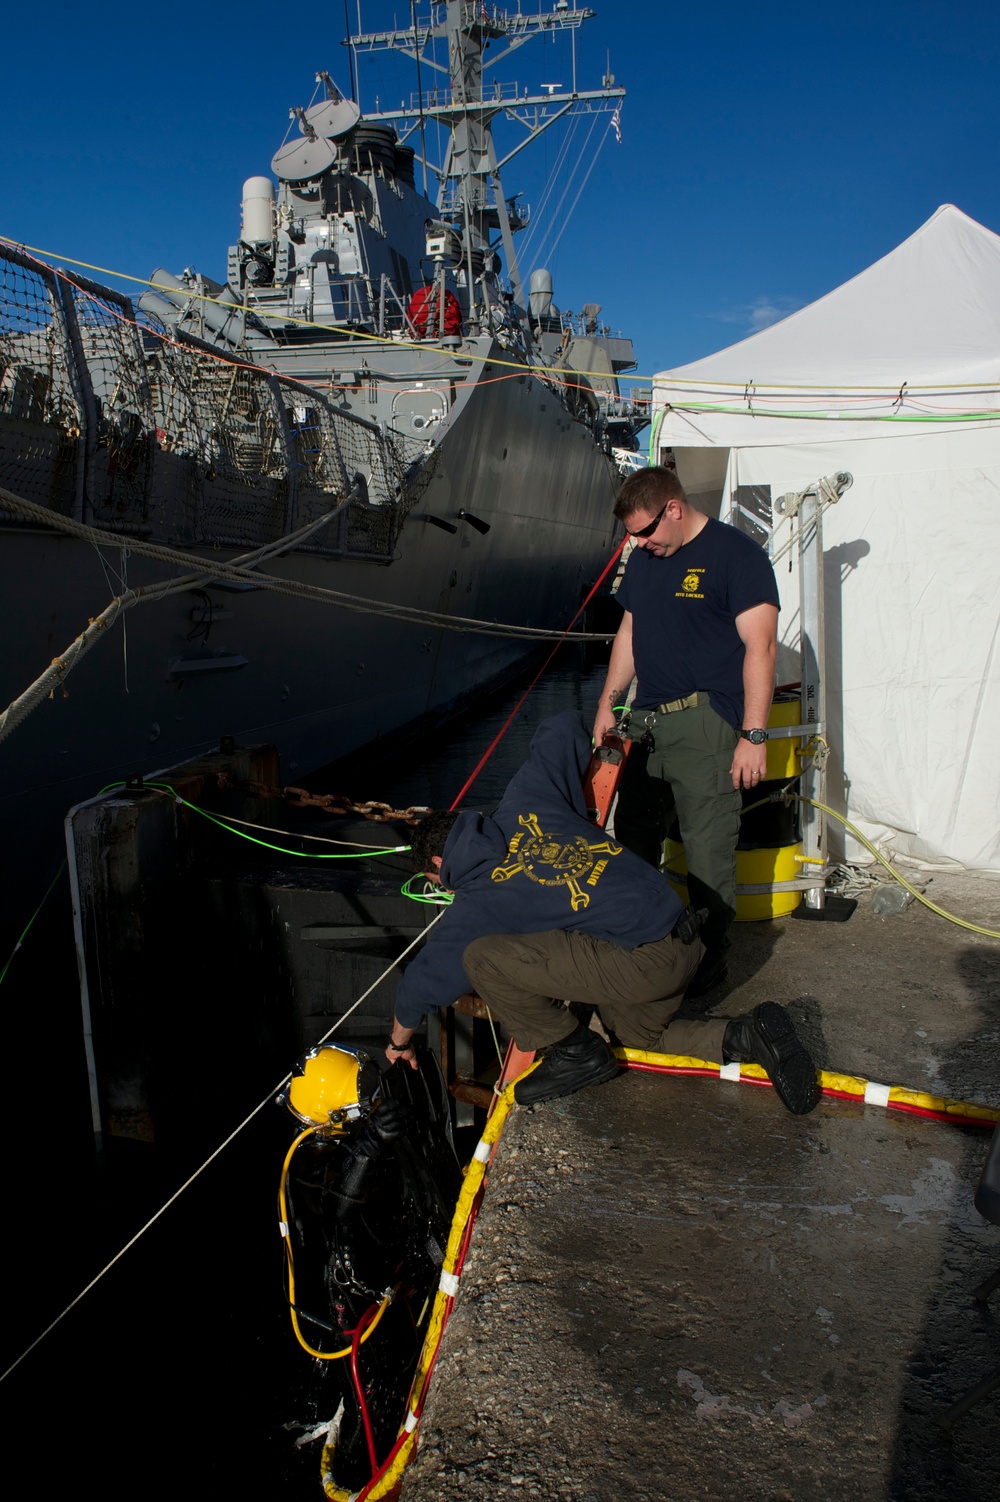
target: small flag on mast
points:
(616, 123)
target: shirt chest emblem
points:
(692, 585)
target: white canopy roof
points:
(913, 341)
(908, 350)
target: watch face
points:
(755, 737)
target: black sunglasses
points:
(648, 531)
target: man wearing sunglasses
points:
(699, 636)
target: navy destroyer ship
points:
(372, 409)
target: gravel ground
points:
(678, 1290)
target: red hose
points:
(359, 1392)
(893, 1105)
(449, 1305)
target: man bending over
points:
(549, 909)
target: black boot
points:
(766, 1037)
(581, 1059)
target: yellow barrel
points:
(783, 751)
(753, 868)
(675, 867)
(757, 867)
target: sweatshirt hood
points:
(475, 842)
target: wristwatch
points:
(755, 737)
(398, 1047)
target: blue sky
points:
(768, 152)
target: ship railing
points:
(118, 435)
(351, 303)
(392, 315)
(495, 92)
(108, 417)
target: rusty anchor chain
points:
(330, 803)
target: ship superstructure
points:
(321, 283)
(372, 352)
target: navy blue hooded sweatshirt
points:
(538, 864)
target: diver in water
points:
(548, 909)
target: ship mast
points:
(470, 192)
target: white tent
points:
(895, 376)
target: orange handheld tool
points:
(601, 779)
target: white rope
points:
(61, 666)
(295, 834)
(241, 570)
(210, 1159)
(849, 879)
(122, 578)
(828, 497)
(496, 1040)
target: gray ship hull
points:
(370, 404)
(316, 680)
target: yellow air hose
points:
(286, 1235)
(402, 1451)
(832, 1083)
(976, 928)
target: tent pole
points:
(812, 646)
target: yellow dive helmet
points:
(331, 1083)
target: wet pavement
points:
(678, 1290)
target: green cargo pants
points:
(523, 978)
(682, 773)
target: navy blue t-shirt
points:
(684, 608)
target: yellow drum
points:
(753, 868)
(759, 867)
(783, 751)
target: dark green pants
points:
(680, 780)
(523, 978)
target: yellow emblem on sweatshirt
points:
(552, 861)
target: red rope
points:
(514, 712)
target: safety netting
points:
(41, 414)
(107, 416)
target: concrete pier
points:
(676, 1289)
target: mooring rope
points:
(60, 667)
(296, 589)
(239, 570)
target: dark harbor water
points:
(179, 1373)
(432, 772)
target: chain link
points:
(331, 803)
